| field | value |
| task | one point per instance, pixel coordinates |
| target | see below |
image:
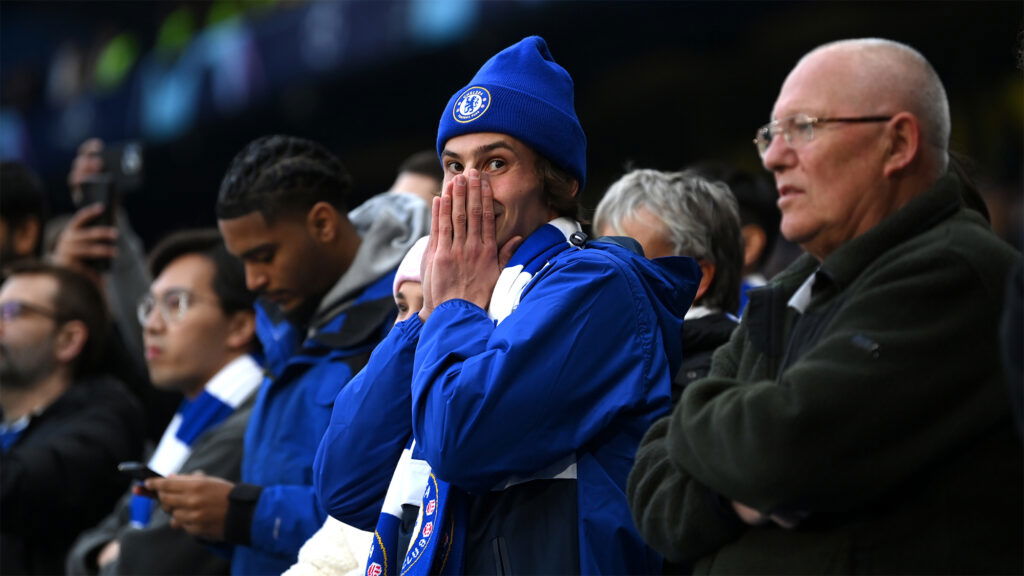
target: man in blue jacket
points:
(325, 301)
(540, 358)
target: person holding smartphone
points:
(99, 242)
(325, 301)
(199, 331)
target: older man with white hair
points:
(857, 421)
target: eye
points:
(402, 308)
(802, 123)
(262, 257)
(176, 303)
(496, 164)
(454, 167)
(173, 299)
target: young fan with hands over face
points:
(528, 437)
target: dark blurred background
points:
(658, 84)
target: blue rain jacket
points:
(574, 375)
(289, 418)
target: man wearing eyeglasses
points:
(857, 421)
(64, 426)
(199, 331)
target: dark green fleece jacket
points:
(879, 421)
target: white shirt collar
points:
(802, 297)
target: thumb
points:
(508, 249)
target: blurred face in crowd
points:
(829, 187)
(645, 228)
(284, 261)
(511, 166)
(187, 335)
(19, 241)
(28, 330)
(409, 299)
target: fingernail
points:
(474, 173)
(460, 180)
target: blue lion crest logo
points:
(471, 104)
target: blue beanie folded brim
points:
(521, 92)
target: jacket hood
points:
(671, 285)
(389, 224)
(670, 280)
(674, 280)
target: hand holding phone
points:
(95, 189)
(100, 189)
(137, 470)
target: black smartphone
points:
(100, 189)
(137, 470)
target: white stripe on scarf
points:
(514, 278)
(232, 385)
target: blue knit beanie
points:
(521, 92)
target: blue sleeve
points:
(286, 426)
(370, 426)
(285, 517)
(491, 403)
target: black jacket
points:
(61, 476)
(701, 337)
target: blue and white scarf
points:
(406, 489)
(223, 394)
(436, 546)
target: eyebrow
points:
(252, 252)
(500, 144)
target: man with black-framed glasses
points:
(64, 425)
(857, 421)
(198, 327)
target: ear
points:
(26, 235)
(707, 271)
(904, 143)
(241, 330)
(322, 222)
(575, 188)
(70, 340)
(754, 240)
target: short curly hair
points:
(278, 175)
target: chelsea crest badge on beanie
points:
(521, 91)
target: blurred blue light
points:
(440, 21)
(12, 136)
